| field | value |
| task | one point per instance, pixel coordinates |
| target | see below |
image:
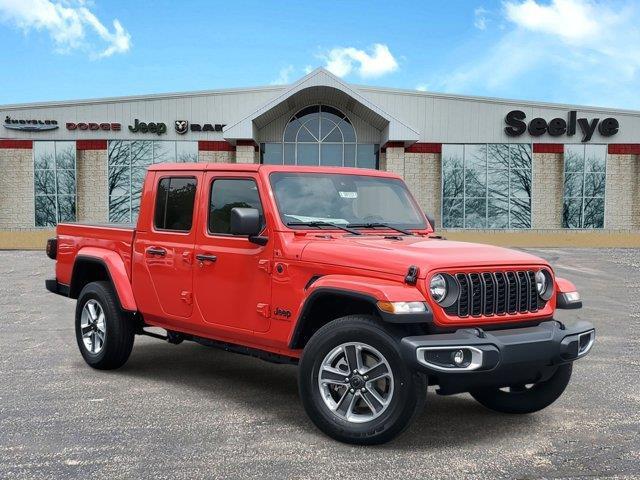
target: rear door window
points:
(175, 199)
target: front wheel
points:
(525, 398)
(104, 333)
(354, 384)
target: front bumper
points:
(497, 358)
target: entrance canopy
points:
(317, 87)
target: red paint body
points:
(234, 299)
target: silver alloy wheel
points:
(93, 327)
(356, 382)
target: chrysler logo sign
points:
(559, 126)
(30, 125)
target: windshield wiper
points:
(319, 224)
(379, 225)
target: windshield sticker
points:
(304, 218)
(348, 194)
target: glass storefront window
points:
(54, 174)
(128, 162)
(320, 135)
(584, 186)
(486, 186)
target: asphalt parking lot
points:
(188, 411)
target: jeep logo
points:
(559, 126)
(281, 312)
(151, 127)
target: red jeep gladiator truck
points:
(336, 270)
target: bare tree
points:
(55, 184)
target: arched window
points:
(319, 135)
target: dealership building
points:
(501, 171)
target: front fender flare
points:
(363, 289)
(116, 270)
(566, 293)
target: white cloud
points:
(575, 51)
(284, 76)
(480, 18)
(342, 61)
(422, 87)
(70, 23)
(571, 20)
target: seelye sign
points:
(516, 125)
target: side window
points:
(227, 194)
(174, 204)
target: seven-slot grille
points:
(495, 293)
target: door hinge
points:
(186, 297)
(264, 310)
(265, 265)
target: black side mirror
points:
(246, 221)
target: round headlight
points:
(541, 282)
(438, 287)
(544, 284)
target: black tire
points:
(405, 400)
(119, 330)
(526, 400)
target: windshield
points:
(344, 200)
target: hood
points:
(377, 253)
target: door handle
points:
(156, 251)
(201, 257)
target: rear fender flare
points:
(116, 270)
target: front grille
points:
(495, 293)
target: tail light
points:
(52, 248)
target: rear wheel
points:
(525, 398)
(104, 333)
(354, 384)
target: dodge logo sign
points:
(182, 126)
(92, 126)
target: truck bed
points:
(73, 238)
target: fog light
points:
(458, 357)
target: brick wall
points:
(246, 154)
(547, 190)
(621, 202)
(635, 224)
(422, 173)
(217, 156)
(92, 186)
(394, 160)
(16, 188)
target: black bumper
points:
(54, 286)
(497, 358)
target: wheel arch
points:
(326, 304)
(334, 296)
(102, 265)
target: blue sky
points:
(568, 51)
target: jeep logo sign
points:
(516, 126)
